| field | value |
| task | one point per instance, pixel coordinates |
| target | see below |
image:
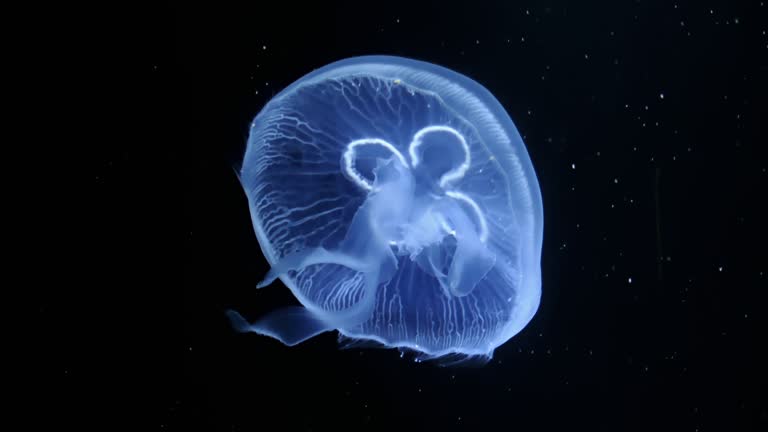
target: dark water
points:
(646, 124)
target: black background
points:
(646, 124)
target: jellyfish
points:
(396, 200)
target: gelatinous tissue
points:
(396, 200)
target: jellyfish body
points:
(396, 200)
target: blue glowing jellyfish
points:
(396, 199)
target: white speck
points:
(264, 47)
(477, 41)
(720, 269)
(736, 20)
(661, 95)
(573, 166)
(522, 39)
(257, 92)
(629, 280)
(397, 20)
(586, 56)
(615, 181)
